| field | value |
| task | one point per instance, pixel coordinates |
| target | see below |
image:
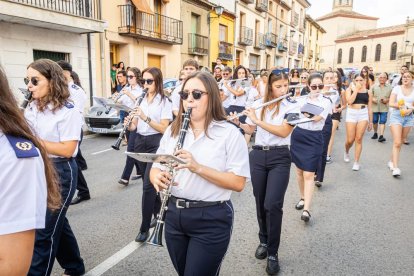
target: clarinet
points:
(26, 101)
(156, 236)
(121, 135)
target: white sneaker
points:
(355, 167)
(390, 165)
(328, 159)
(396, 172)
(346, 157)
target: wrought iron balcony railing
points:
(295, 19)
(82, 8)
(246, 36)
(260, 41)
(225, 50)
(271, 40)
(197, 44)
(283, 45)
(262, 5)
(301, 50)
(148, 26)
(293, 48)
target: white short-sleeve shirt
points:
(23, 191)
(319, 101)
(229, 97)
(265, 138)
(126, 100)
(225, 150)
(78, 97)
(158, 110)
(408, 100)
(58, 126)
(175, 98)
(241, 100)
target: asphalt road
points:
(362, 222)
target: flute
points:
(305, 85)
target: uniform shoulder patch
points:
(23, 147)
(69, 105)
(74, 86)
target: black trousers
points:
(326, 133)
(57, 239)
(270, 171)
(130, 162)
(83, 190)
(151, 202)
(197, 238)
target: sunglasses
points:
(280, 71)
(180, 79)
(148, 81)
(196, 94)
(33, 80)
(225, 74)
(130, 76)
(304, 78)
(314, 87)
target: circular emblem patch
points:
(24, 146)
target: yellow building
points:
(140, 33)
(222, 29)
(313, 37)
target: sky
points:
(390, 13)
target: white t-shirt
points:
(265, 138)
(23, 191)
(319, 101)
(158, 110)
(59, 126)
(224, 150)
(175, 98)
(408, 100)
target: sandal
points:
(300, 204)
(305, 216)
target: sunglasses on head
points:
(33, 80)
(278, 72)
(130, 76)
(314, 87)
(148, 81)
(196, 94)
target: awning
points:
(142, 5)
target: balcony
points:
(271, 40)
(302, 26)
(301, 50)
(225, 50)
(293, 48)
(262, 5)
(260, 41)
(246, 36)
(197, 44)
(310, 54)
(155, 27)
(294, 21)
(248, 1)
(76, 16)
(283, 45)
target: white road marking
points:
(102, 151)
(114, 259)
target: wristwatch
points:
(148, 120)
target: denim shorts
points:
(379, 116)
(397, 119)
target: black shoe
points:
(136, 177)
(381, 139)
(305, 216)
(84, 168)
(375, 136)
(123, 182)
(300, 204)
(272, 267)
(142, 236)
(153, 223)
(79, 199)
(261, 251)
(318, 184)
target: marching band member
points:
(199, 219)
(27, 182)
(307, 144)
(56, 122)
(150, 120)
(401, 118)
(225, 94)
(131, 93)
(240, 94)
(270, 164)
(358, 117)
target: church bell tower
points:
(343, 5)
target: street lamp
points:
(218, 10)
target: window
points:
(282, 14)
(351, 55)
(223, 33)
(339, 56)
(393, 55)
(378, 52)
(364, 54)
(55, 56)
(254, 62)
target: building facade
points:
(31, 30)
(314, 34)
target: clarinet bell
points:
(156, 235)
(117, 144)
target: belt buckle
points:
(178, 201)
(265, 148)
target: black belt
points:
(181, 203)
(257, 147)
(60, 159)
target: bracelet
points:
(147, 120)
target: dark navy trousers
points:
(197, 238)
(130, 162)
(326, 133)
(82, 185)
(57, 239)
(270, 171)
(151, 202)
